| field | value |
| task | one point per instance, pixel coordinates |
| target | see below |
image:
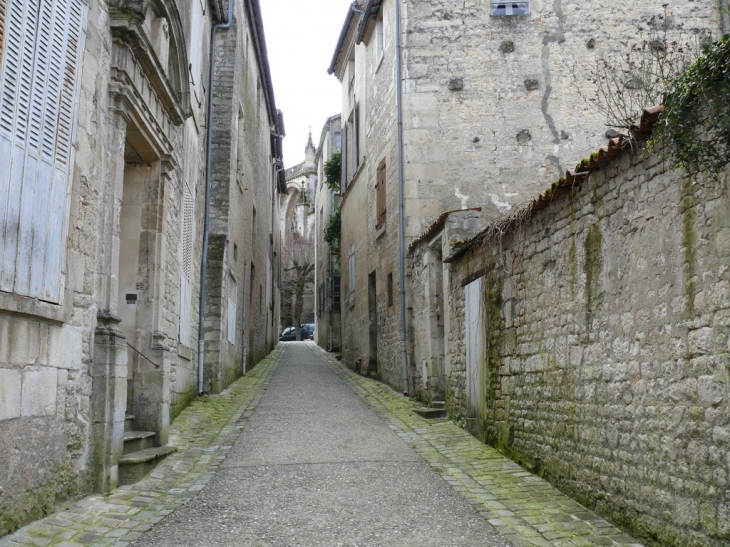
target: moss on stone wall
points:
(689, 242)
(593, 257)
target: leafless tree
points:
(298, 267)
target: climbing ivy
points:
(333, 233)
(332, 170)
(695, 122)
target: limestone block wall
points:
(608, 348)
(474, 82)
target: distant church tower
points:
(298, 206)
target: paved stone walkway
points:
(315, 467)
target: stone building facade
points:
(493, 106)
(327, 280)
(589, 341)
(104, 115)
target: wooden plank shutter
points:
(232, 304)
(39, 92)
(343, 162)
(380, 196)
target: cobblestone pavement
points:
(315, 467)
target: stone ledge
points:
(14, 304)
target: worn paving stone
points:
(473, 467)
(214, 459)
(208, 424)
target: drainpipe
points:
(330, 258)
(725, 16)
(244, 322)
(401, 199)
(208, 176)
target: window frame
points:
(508, 6)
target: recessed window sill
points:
(14, 304)
(380, 231)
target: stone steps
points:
(134, 441)
(430, 413)
(135, 465)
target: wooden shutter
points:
(186, 267)
(380, 196)
(343, 161)
(39, 91)
(232, 304)
(3, 19)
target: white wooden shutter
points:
(3, 19)
(39, 88)
(232, 304)
(186, 266)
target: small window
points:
(380, 209)
(336, 293)
(390, 289)
(509, 8)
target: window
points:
(235, 253)
(509, 8)
(42, 47)
(240, 147)
(379, 40)
(351, 273)
(336, 293)
(186, 266)
(380, 197)
(195, 55)
(232, 305)
(356, 140)
(390, 289)
(343, 162)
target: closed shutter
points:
(343, 162)
(380, 196)
(3, 19)
(186, 266)
(232, 304)
(38, 103)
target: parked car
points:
(288, 335)
(307, 331)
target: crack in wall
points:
(559, 37)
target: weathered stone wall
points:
(327, 319)
(474, 82)
(494, 108)
(606, 320)
(62, 401)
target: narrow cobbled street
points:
(302, 452)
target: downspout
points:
(725, 16)
(208, 176)
(244, 323)
(401, 199)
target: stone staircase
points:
(140, 455)
(434, 410)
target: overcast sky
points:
(301, 36)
